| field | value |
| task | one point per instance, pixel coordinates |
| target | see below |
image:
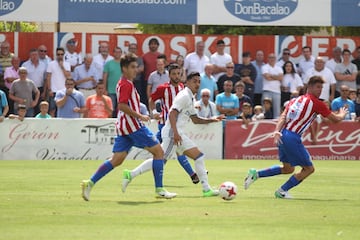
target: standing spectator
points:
(85, 76)
(180, 61)
(99, 105)
(272, 78)
(247, 73)
(356, 61)
(328, 91)
(208, 81)
(219, 59)
(139, 82)
(6, 57)
(352, 94)
(43, 57)
(131, 132)
(345, 72)
(285, 58)
(357, 105)
(290, 83)
(44, 108)
(10, 75)
(230, 74)
(343, 101)
(69, 101)
(293, 122)
(306, 62)
(36, 71)
(196, 61)
(157, 77)
(243, 98)
(102, 58)
(22, 92)
(111, 76)
(204, 107)
(227, 103)
(336, 59)
(4, 106)
(75, 59)
(57, 72)
(258, 86)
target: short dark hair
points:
(127, 59)
(60, 49)
(315, 79)
(346, 51)
(154, 40)
(220, 42)
(191, 75)
(172, 67)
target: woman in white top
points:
(290, 83)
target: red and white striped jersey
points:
(166, 93)
(301, 112)
(126, 93)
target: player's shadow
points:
(135, 203)
(318, 200)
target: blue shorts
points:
(142, 138)
(293, 151)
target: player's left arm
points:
(200, 120)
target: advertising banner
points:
(85, 139)
(334, 141)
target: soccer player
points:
(293, 122)
(165, 93)
(131, 131)
(174, 137)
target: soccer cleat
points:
(282, 194)
(195, 178)
(126, 179)
(210, 193)
(86, 186)
(250, 178)
(163, 193)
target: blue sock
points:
(104, 169)
(184, 162)
(271, 171)
(292, 182)
(158, 167)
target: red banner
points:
(334, 141)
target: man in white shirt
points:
(205, 108)
(102, 58)
(75, 59)
(219, 59)
(196, 61)
(306, 62)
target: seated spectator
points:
(357, 105)
(343, 101)
(69, 101)
(227, 103)
(352, 94)
(258, 113)
(246, 113)
(44, 109)
(4, 106)
(243, 98)
(268, 112)
(21, 113)
(99, 105)
(205, 108)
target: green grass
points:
(41, 200)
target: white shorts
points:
(169, 146)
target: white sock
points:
(201, 172)
(144, 167)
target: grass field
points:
(41, 200)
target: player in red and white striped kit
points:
(293, 122)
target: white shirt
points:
(57, 75)
(271, 85)
(305, 65)
(73, 58)
(99, 63)
(293, 81)
(35, 73)
(193, 63)
(331, 64)
(205, 111)
(327, 75)
(184, 104)
(220, 61)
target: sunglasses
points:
(42, 50)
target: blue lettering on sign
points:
(261, 10)
(8, 6)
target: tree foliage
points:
(18, 27)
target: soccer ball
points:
(228, 190)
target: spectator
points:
(258, 113)
(10, 75)
(5, 61)
(258, 86)
(208, 81)
(102, 58)
(285, 58)
(157, 77)
(352, 94)
(356, 61)
(230, 74)
(246, 113)
(227, 103)
(204, 107)
(306, 62)
(23, 91)
(57, 72)
(21, 113)
(357, 105)
(111, 76)
(343, 101)
(290, 83)
(331, 64)
(345, 72)
(70, 102)
(196, 61)
(139, 81)
(71, 56)
(44, 109)
(268, 112)
(99, 105)
(180, 61)
(43, 57)
(273, 76)
(219, 59)
(4, 106)
(247, 73)
(243, 98)
(85, 76)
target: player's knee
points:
(288, 170)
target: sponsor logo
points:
(261, 10)
(8, 6)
